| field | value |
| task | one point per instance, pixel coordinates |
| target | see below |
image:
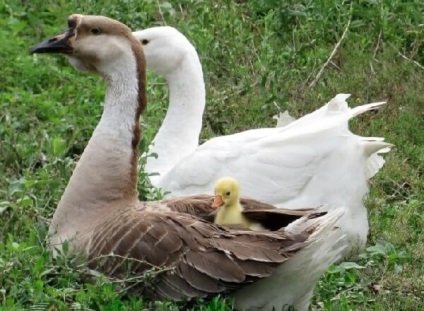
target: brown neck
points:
(105, 177)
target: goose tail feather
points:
(294, 281)
(373, 147)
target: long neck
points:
(107, 171)
(179, 134)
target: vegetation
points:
(259, 57)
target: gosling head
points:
(227, 192)
(165, 47)
(95, 44)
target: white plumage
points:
(312, 161)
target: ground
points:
(259, 57)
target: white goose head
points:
(165, 48)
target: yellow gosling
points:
(227, 202)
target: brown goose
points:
(100, 216)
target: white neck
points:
(179, 134)
(105, 172)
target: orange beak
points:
(217, 201)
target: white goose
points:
(100, 216)
(313, 160)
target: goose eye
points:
(144, 42)
(228, 193)
(95, 31)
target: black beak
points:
(57, 44)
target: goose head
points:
(227, 192)
(164, 47)
(94, 44)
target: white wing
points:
(268, 167)
(310, 156)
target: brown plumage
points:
(198, 257)
(168, 249)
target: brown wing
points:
(248, 203)
(174, 256)
(197, 205)
(269, 216)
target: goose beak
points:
(217, 201)
(57, 44)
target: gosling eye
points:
(228, 193)
(144, 42)
(95, 31)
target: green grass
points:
(254, 53)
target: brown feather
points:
(215, 264)
(179, 284)
(200, 280)
(198, 205)
(273, 219)
(251, 268)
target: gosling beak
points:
(57, 44)
(217, 201)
